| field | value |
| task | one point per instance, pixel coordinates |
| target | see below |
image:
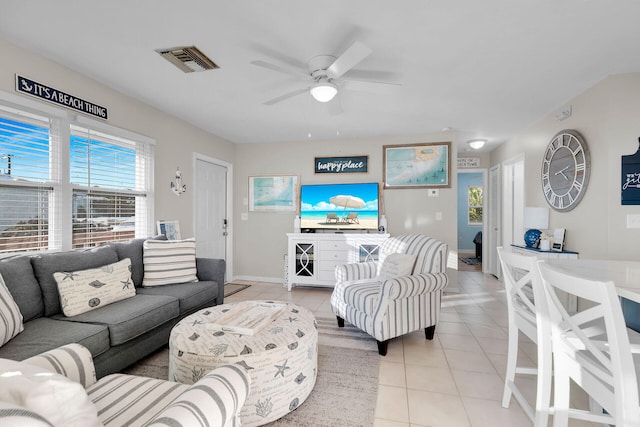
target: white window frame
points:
(60, 206)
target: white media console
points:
(312, 257)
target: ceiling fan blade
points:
(334, 106)
(349, 59)
(273, 67)
(286, 96)
(370, 86)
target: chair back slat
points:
(593, 344)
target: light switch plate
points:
(244, 216)
(633, 221)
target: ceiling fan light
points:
(324, 91)
(476, 144)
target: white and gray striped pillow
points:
(10, 316)
(169, 261)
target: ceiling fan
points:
(325, 73)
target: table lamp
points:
(534, 220)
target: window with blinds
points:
(25, 183)
(66, 186)
(109, 186)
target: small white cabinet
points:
(312, 257)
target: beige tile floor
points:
(454, 380)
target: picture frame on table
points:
(558, 239)
(277, 193)
(169, 228)
(423, 165)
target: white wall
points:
(176, 139)
(607, 115)
(261, 240)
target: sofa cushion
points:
(10, 317)
(46, 264)
(22, 283)
(130, 318)
(86, 290)
(169, 262)
(43, 334)
(133, 250)
(55, 397)
(191, 296)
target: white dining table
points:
(624, 274)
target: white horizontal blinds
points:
(25, 181)
(109, 187)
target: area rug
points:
(471, 261)
(233, 288)
(346, 387)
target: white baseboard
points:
(278, 280)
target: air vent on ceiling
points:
(188, 59)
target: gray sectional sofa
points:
(117, 334)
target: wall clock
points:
(565, 170)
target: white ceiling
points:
(487, 68)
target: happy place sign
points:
(341, 164)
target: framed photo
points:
(170, 228)
(558, 239)
(273, 193)
(425, 165)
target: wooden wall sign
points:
(350, 164)
(630, 189)
(55, 96)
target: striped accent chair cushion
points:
(169, 261)
(215, 400)
(74, 361)
(10, 316)
(14, 415)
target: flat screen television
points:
(339, 206)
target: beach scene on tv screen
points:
(341, 206)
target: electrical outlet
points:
(438, 216)
(433, 192)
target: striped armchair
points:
(215, 400)
(386, 308)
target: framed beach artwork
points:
(170, 228)
(273, 193)
(425, 165)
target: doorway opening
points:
(471, 219)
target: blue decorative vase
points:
(531, 238)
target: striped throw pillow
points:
(169, 261)
(10, 316)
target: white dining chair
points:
(602, 365)
(524, 296)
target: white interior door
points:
(212, 228)
(491, 264)
(513, 201)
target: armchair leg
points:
(429, 332)
(340, 322)
(382, 347)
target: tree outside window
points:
(475, 205)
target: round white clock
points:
(565, 170)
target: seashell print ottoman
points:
(281, 356)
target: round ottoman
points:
(281, 357)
